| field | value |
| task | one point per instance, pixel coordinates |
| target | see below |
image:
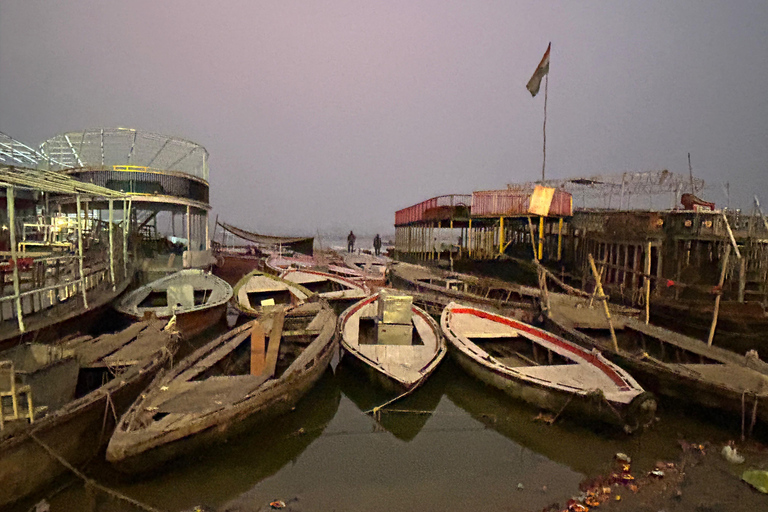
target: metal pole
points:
(189, 230)
(501, 235)
(111, 243)
(541, 237)
(544, 161)
(647, 283)
(80, 250)
(9, 194)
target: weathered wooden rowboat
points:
(543, 369)
(674, 365)
(334, 289)
(398, 361)
(197, 298)
(250, 374)
(373, 269)
(488, 293)
(64, 410)
(257, 291)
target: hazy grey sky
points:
(331, 115)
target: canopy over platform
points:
(303, 245)
(49, 181)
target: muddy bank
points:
(700, 479)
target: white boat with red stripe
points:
(543, 369)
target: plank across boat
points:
(197, 298)
(543, 369)
(399, 355)
(67, 399)
(674, 365)
(257, 289)
(237, 381)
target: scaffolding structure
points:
(647, 190)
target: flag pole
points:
(544, 161)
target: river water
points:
(455, 444)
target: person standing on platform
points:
(376, 244)
(351, 241)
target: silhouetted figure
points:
(351, 241)
(376, 244)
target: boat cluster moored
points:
(555, 351)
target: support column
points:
(207, 241)
(559, 239)
(111, 244)
(80, 250)
(541, 238)
(469, 237)
(501, 235)
(189, 230)
(9, 195)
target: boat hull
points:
(251, 413)
(77, 433)
(592, 406)
(193, 323)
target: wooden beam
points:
(275, 335)
(719, 295)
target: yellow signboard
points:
(541, 200)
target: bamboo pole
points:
(559, 239)
(719, 295)
(647, 283)
(80, 250)
(469, 237)
(9, 194)
(111, 244)
(599, 285)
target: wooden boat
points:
(672, 364)
(334, 289)
(277, 263)
(258, 290)
(197, 298)
(67, 399)
(543, 369)
(233, 382)
(400, 354)
(741, 326)
(373, 269)
(488, 293)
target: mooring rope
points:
(89, 481)
(376, 411)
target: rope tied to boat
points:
(108, 404)
(376, 411)
(88, 481)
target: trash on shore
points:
(756, 478)
(277, 504)
(730, 454)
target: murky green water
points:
(455, 444)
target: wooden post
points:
(111, 244)
(469, 238)
(80, 250)
(647, 283)
(533, 238)
(599, 286)
(719, 294)
(9, 196)
(742, 277)
(559, 239)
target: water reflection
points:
(223, 471)
(470, 448)
(405, 417)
